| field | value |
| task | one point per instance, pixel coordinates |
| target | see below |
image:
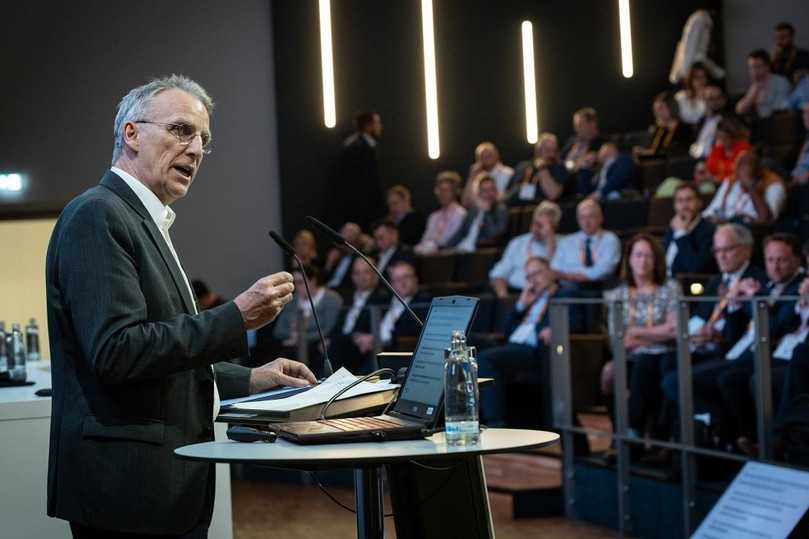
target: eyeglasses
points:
(722, 250)
(184, 133)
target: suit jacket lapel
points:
(120, 188)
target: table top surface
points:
(285, 453)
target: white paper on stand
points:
(319, 394)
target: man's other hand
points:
(281, 372)
(263, 301)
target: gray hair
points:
(134, 104)
(742, 233)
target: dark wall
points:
(67, 64)
(378, 64)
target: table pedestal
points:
(369, 502)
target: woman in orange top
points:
(731, 140)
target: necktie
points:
(588, 254)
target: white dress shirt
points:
(384, 258)
(732, 201)
(511, 266)
(391, 317)
(360, 299)
(702, 147)
(163, 218)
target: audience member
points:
(753, 194)
(339, 259)
(689, 238)
(410, 222)
(358, 197)
(691, 99)
(581, 147)
(508, 275)
(295, 321)
(768, 92)
(783, 264)
(588, 257)
(649, 315)
(800, 174)
(542, 178)
(444, 222)
(528, 335)
(206, 299)
(800, 94)
(355, 317)
(487, 161)
(389, 250)
(787, 59)
(485, 222)
(613, 175)
(715, 108)
(731, 140)
(670, 136)
(396, 323)
(305, 245)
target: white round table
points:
(365, 458)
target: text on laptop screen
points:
(424, 387)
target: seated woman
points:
(753, 194)
(444, 222)
(649, 304)
(731, 140)
(689, 99)
(542, 178)
(670, 136)
(528, 335)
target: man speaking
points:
(135, 366)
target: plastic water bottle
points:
(32, 340)
(16, 355)
(460, 393)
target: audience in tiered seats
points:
(670, 136)
(800, 174)
(508, 274)
(444, 222)
(689, 238)
(528, 335)
(768, 92)
(542, 178)
(295, 322)
(581, 148)
(338, 260)
(485, 222)
(410, 222)
(588, 257)
(715, 109)
(753, 194)
(731, 140)
(487, 161)
(691, 98)
(649, 316)
(612, 173)
(354, 319)
(788, 60)
(389, 250)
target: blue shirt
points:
(604, 246)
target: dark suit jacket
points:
(730, 332)
(619, 177)
(411, 227)
(492, 229)
(342, 350)
(694, 250)
(594, 145)
(131, 370)
(358, 197)
(403, 253)
(576, 319)
(405, 326)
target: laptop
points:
(419, 405)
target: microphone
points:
(339, 240)
(287, 248)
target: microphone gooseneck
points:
(287, 248)
(340, 240)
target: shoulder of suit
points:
(96, 204)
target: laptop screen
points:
(423, 390)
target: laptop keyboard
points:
(360, 423)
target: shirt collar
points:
(369, 139)
(736, 274)
(161, 214)
(361, 295)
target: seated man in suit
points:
(508, 275)
(581, 148)
(710, 333)
(389, 250)
(485, 221)
(612, 174)
(411, 223)
(689, 238)
(354, 318)
(339, 259)
(528, 335)
(295, 324)
(585, 259)
(542, 178)
(396, 323)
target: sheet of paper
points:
(763, 501)
(319, 393)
